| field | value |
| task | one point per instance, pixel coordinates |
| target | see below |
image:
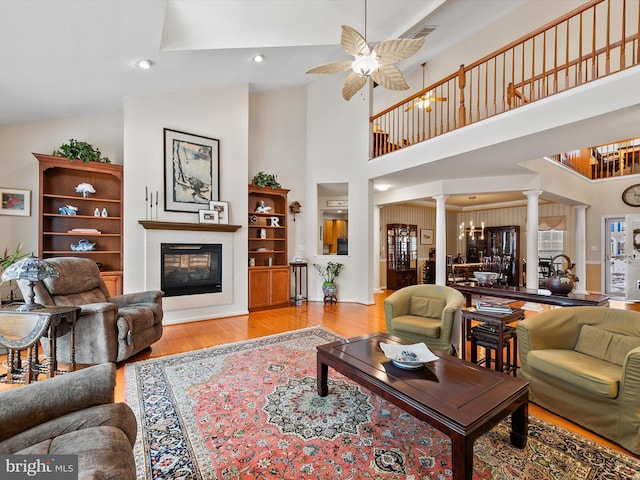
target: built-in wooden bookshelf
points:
(267, 255)
(98, 218)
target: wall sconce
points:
(295, 208)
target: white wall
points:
(19, 168)
(220, 113)
(337, 152)
(277, 145)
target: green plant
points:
(262, 180)
(7, 259)
(81, 150)
(329, 272)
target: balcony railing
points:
(588, 43)
(604, 161)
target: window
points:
(550, 243)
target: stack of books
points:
(493, 306)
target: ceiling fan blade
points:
(437, 99)
(335, 67)
(353, 43)
(392, 51)
(390, 77)
(411, 107)
(352, 84)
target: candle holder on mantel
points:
(148, 204)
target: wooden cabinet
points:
(334, 231)
(498, 249)
(269, 277)
(97, 219)
(268, 287)
(402, 255)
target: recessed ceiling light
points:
(258, 58)
(382, 187)
(144, 64)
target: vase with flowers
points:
(329, 273)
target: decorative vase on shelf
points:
(85, 189)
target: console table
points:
(531, 295)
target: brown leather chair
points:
(109, 329)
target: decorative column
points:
(532, 238)
(441, 240)
(581, 249)
(376, 249)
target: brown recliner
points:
(109, 329)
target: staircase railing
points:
(588, 43)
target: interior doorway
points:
(615, 266)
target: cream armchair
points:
(425, 313)
(109, 329)
(583, 363)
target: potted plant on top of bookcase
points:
(262, 180)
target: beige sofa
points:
(583, 363)
(425, 313)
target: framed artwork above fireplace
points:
(191, 171)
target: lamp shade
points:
(30, 268)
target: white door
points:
(615, 261)
(632, 249)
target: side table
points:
(491, 319)
(20, 331)
(299, 273)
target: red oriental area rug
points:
(251, 410)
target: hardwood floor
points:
(346, 319)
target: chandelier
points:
(472, 229)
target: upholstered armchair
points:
(109, 329)
(583, 363)
(425, 313)
(71, 414)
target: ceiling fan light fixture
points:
(365, 65)
(424, 102)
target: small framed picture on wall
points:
(426, 236)
(15, 202)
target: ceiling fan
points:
(377, 63)
(424, 101)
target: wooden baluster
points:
(623, 36)
(593, 46)
(462, 83)
(608, 49)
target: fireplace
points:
(190, 268)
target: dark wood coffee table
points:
(458, 398)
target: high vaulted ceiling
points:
(63, 58)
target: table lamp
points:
(33, 269)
